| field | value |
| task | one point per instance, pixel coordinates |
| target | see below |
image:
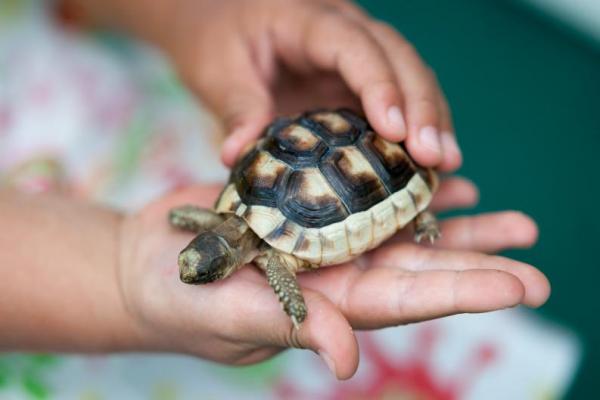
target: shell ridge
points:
(353, 178)
(276, 231)
(315, 127)
(298, 243)
(339, 195)
(394, 176)
(322, 246)
(396, 211)
(413, 198)
(375, 163)
(347, 239)
(326, 210)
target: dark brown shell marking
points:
(321, 167)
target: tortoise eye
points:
(218, 266)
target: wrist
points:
(136, 301)
(126, 333)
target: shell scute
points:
(324, 187)
(258, 176)
(334, 244)
(390, 160)
(308, 246)
(295, 145)
(360, 238)
(353, 178)
(310, 200)
(384, 221)
(284, 236)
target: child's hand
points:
(239, 320)
(249, 60)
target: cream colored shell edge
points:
(338, 242)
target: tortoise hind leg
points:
(426, 226)
(194, 219)
(283, 281)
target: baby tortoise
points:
(315, 190)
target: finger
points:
(350, 9)
(246, 110)
(455, 192)
(244, 129)
(452, 159)
(382, 297)
(333, 42)
(412, 257)
(489, 233)
(325, 330)
(237, 91)
(420, 92)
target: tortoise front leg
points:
(284, 283)
(426, 226)
(194, 219)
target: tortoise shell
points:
(325, 187)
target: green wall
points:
(525, 96)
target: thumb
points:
(242, 100)
(327, 332)
(324, 331)
(236, 89)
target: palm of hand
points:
(239, 320)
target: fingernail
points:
(449, 144)
(396, 120)
(328, 361)
(428, 137)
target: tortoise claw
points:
(426, 226)
(295, 322)
(432, 234)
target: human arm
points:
(58, 269)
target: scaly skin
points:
(194, 219)
(242, 246)
(285, 285)
(426, 226)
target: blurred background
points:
(523, 81)
(102, 117)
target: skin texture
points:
(119, 274)
(193, 219)
(286, 287)
(283, 56)
(58, 276)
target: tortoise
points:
(316, 189)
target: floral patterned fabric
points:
(104, 119)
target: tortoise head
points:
(206, 259)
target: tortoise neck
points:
(238, 235)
